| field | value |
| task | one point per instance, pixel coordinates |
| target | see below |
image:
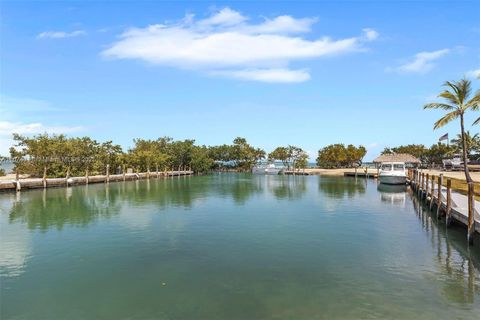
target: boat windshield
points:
(386, 167)
(398, 167)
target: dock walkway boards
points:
(459, 206)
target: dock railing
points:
(441, 191)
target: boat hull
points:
(390, 179)
(273, 171)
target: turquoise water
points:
(232, 246)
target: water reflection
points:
(288, 187)
(455, 260)
(37, 212)
(372, 258)
(393, 194)
(239, 187)
(42, 209)
(338, 188)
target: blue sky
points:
(307, 73)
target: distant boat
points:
(454, 163)
(267, 169)
(393, 173)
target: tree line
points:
(340, 156)
(60, 156)
(437, 152)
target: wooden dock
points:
(449, 204)
(296, 173)
(361, 173)
(33, 183)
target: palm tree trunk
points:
(464, 149)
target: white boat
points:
(454, 163)
(393, 173)
(267, 169)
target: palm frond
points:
(477, 121)
(465, 89)
(461, 89)
(438, 105)
(453, 86)
(474, 103)
(447, 95)
(446, 119)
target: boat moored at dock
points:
(392, 173)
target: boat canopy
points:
(395, 166)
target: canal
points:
(232, 246)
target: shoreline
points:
(9, 182)
(40, 183)
(459, 175)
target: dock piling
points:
(432, 191)
(471, 212)
(448, 216)
(44, 177)
(426, 186)
(439, 196)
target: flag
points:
(444, 137)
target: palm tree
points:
(473, 142)
(456, 95)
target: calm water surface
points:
(232, 246)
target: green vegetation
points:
(430, 156)
(417, 150)
(59, 156)
(62, 156)
(339, 156)
(472, 143)
(292, 157)
(457, 97)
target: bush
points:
(339, 156)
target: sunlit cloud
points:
(7, 128)
(422, 62)
(473, 73)
(60, 34)
(268, 75)
(227, 43)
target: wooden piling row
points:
(424, 186)
(44, 182)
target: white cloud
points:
(269, 75)
(473, 73)
(370, 34)
(60, 34)
(422, 62)
(224, 17)
(8, 128)
(226, 43)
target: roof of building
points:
(397, 157)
